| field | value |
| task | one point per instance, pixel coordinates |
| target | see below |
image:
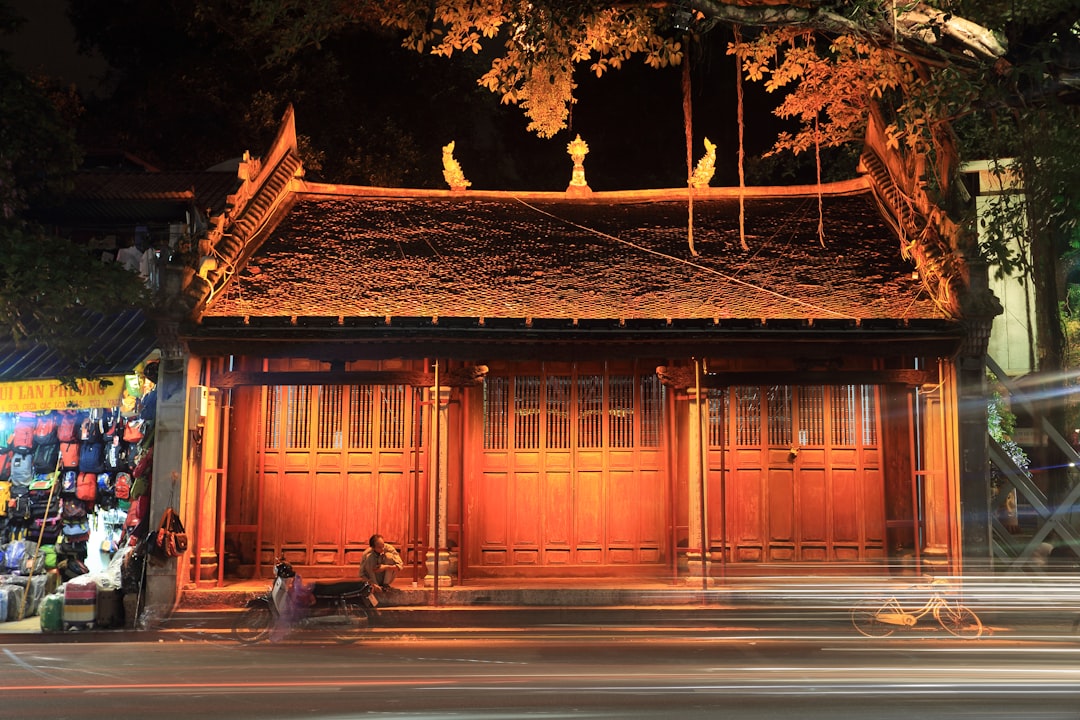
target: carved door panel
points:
(569, 472)
(337, 462)
(801, 470)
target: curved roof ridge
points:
(844, 187)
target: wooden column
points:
(940, 473)
(698, 551)
(438, 472)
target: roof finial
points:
(705, 168)
(452, 170)
(578, 149)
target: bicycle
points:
(880, 618)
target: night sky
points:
(632, 119)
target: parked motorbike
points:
(338, 610)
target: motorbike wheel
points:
(253, 624)
(349, 621)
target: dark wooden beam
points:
(683, 377)
(457, 377)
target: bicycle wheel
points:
(960, 620)
(252, 625)
(347, 623)
(864, 616)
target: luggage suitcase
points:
(51, 612)
(35, 590)
(13, 595)
(110, 609)
(80, 605)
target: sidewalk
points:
(1029, 605)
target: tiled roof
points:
(123, 340)
(101, 195)
(498, 256)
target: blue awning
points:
(120, 342)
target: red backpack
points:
(68, 429)
(45, 429)
(86, 487)
(23, 437)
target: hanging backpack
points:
(69, 482)
(133, 430)
(46, 457)
(86, 487)
(91, 456)
(122, 489)
(22, 467)
(69, 455)
(5, 464)
(23, 436)
(5, 496)
(67, 429)
(90, 430)
(45, 429)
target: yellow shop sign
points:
(36, 395)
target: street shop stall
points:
(74, 491)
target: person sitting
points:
(380, 563)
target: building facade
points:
(535, 385)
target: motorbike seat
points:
(340, 588)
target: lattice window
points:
(747, 416)
(718, 412)
(527, 412)
(812, 415)
(621, 411)
(590, 411)
(869, 414)
(652, 410)
(272, 428)
(496, 412)
(844, 414)
(392, 432)
(780, 415)
(329, 414)
(297, 401)
(558, 411)
(361, 402)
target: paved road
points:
(550, 674)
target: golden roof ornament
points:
(705, 168)
(452, 170)
(578, 149)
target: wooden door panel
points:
(294, 514)
(651, 507)
(813, 505)
(329, 506)
(781, 519)
(589, 503)
(360, 514)
(392, 505)
(624, 499)
(491, 525)
(526, 521)
(873, 507)
(744, 505)
(846, 505)
(558, 519)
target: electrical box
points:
(200, 398)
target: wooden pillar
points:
(698, 558)
(940, 484)
(438, 472)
